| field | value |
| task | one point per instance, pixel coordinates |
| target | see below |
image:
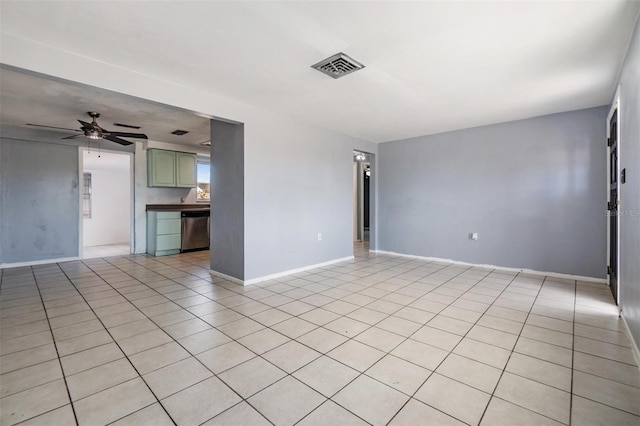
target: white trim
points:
(37, 262)
(634, 346)
(354, 200)
(132, 209)
(615, 106)
(279, 274)
(132, 191)
(361, 199)
(619, 290)
(80, 202)
(499, 268)
(226, 277)
(295, 271)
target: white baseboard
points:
(279, 274)
(634, 345)
(226, 277)
(499, 268)
(37, 262)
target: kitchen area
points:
(70, 201)
(173, 228)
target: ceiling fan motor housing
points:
(93, 133)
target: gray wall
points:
(298, 183)
(227, 199)
(629, 144)
(534, 191)
(38, 201)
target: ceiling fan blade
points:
(116, 139)
(74, 136)
(51, 127)
(85, 124)
(128, 135)
(129, 126)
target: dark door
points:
(613, 205)
(366, 182)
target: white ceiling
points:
(430, 66)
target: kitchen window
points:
(204, 181)
(86, 195)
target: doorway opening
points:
(362, 202)
(105, 203)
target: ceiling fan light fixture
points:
(93, 136)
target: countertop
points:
(177, 207)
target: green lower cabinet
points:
(164, 233)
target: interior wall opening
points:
(362, 201)
(105, 203)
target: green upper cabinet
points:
(171, 169)
(161, 168)
(186, 165)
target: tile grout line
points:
(192, 355)
(509, 359)
(173, 340)
(119, 347)
(325, 354)
(363, 373)
(452, 349)
(55, 345)
(411, 396)
(311, 282)
(444, 266)
(573, 352)
(291, 374)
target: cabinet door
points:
(186, 166)
(169, 226)
(161, 167)
(168, 242)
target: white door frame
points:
(354, 197)
(615, 106)
(131, 155)
(358, 200)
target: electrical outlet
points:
(474, 236)
(319, 236)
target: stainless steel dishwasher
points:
(195, 230)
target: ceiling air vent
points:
(338, 65)
(179, 132)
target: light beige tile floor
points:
(377, 340)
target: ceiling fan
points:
(93, 131)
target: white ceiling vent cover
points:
(338, 65)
